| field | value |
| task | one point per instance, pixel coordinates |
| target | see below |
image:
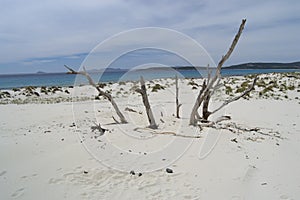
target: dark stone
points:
(234, 140)
(140, 174)
(85, 172)
(72, 125)
(132, 172)
(168, 170)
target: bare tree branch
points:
(208, 74)
(102, 93)
(143, 92)
(237, 97)
(203, 94)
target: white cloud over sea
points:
(44, 35)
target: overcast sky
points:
(43, 35)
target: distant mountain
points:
(294, 65)
(256, 65)
(172, 68)
(41, 72)
(106, 70)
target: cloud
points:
(51, 29)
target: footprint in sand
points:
(250, 173)
(18, 193)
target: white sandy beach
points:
(48, 151)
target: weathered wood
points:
(146, 103)
(207, 91)
(194, 114)
(205, 112)
(178, 105)
(101, 93)
(99, 128)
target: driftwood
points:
(150, 115)
(101, 93)
(212, 84)
(178, 105)
(99, 128)
(155, 132)
(236, 128)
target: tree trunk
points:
(146, 103)
(177, 101)
(194, 114)
(205, 112)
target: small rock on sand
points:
(132, 172)
(168, 170)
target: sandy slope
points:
(43, 154)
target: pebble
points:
(168, 170)
(132, 172)
(234, 140)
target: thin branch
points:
(233, 127)
(102, 93)
(99, 128)
(208, 73)
(237, 97)
(168, 133)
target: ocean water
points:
(63, 79)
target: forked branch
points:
(209, 88)
(101, 92)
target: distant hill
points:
(258, 65)
(41, 72)
(294, 65)
(106, 70)
(172, 68)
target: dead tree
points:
(101, 93)
(212, 83)
(177, 101)
(150, 115)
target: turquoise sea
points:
(63, 79)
